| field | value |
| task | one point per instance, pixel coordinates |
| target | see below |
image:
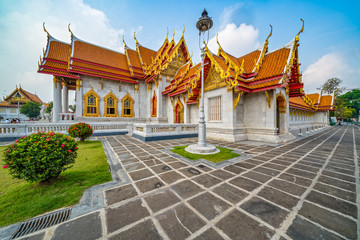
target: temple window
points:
(91, 100)
(111, 103)
(215, 108)
(127, 106)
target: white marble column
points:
(79, 98)
(65, 98)
(57, 99)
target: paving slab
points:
(144, 230)
(171, 177)
(120, 194)
(85, 227)
(161, 200)
(118, 217)
(209, 234)
(209, 205)
(230, 193)
(180, 222)
(238, 225)
(149, 184)
(186, 189)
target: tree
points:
(50, 107)
(31, 109)
(72, 108)
(333, 85)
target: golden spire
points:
(173, 36)
(45, 30)
(302, 29)
(70, 30)
(124, 41)
(265, 49)
(183, 32)
(267, 39)
(167, 33)
(135, 39)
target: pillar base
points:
(196, 149)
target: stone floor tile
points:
(209, 205)
(266, 211)
(177, 165)
(287, 187)
(278, 197)
(303, 229)
(296, 179)
(203, 168)
(119, 194)
(145, 230)
(209, 234)
(237, 225)
(180, 222)
(206, 180)
(274, 166)
(129, 161)
(149, 184)
(337, 183)
(234, 169)
(186, 189)
(230, 193)
(161, 199)
(339, 176)
(333, 203)
(281, 162)
(307, 168)
(134, 167)
(171, 177)
(161, 168)
(123, 215)
(152, 162)
(137, 175)
(245, 183)
(349, 196)
(300, 173)
(245, 165)
(267, 171)
(330, 220)
(85, 227)
(190, 171)
(257, 176)
(222, 174)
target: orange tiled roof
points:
(91, 53)
(325, 102)
(134, 58)
(31, 96)
(298, 102)
(250, 60)
(146, 55)
(273, 64)
(314, 97)
(222, 64)
(59, 51)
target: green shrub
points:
(80, 130)
(40, 156)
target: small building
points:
(10, 106)
(258, 96)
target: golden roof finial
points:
(70, 30)
(47, 33)
(183, 31)
(167, 33)
(302, 29)
(267, 39)
(124, 41)
(135, 38)
(173, 35)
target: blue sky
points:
(329, 45)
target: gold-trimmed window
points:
(111, 105)
(91, 100)
(154, 104)
(127, 106)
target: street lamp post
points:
(203, 25)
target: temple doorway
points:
(179, 113)
(280, 113)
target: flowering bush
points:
(80, 130)
(40, 156)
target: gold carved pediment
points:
(213, 81)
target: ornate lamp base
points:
(196, 149)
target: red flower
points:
(47, 139)
(43, 136)
(45, 146)
(69, 150)
(5, 166)
(23, 137)
(62, 145)
(35, 142)
(76, 148)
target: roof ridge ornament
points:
(45, 29)
(173, 35)
(167, 33)
(302, 29)
(264, 50)
(70, 30)
(183, 32)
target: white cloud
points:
(23, 39)
(227, 14)
(328, 66)
(236, 40)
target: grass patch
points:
(223, 155)
(20, 200)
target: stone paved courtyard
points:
(306, 189)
